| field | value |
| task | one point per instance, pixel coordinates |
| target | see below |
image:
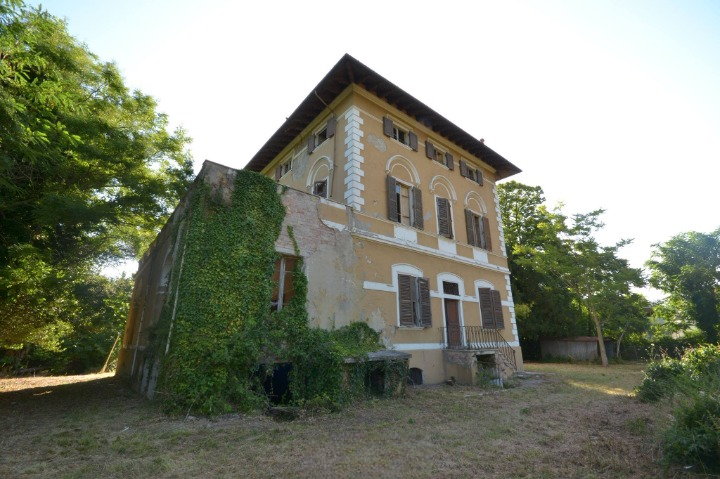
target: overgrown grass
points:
(563, 420)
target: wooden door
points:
(452, 323)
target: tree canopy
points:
(88, 172)
(687, 267)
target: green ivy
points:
(223, 334)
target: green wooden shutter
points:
(463, 169)
(497, 310)
(486, 308)
(392, 204)
(406, 285)
(441, 216)
(387, 126)
(424, 298)
(418, 221)
(311, 144)
(449, 161)
(469, 223)
(413, 140)
(429, 150)
(486, 232)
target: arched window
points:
(476, 222)
(404, 198)
(445, 197)
(319, 180)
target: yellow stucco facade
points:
(356, 162)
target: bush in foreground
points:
(693, 382)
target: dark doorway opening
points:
(415, 377)
(276, 383)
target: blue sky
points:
(612, 104)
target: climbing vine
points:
(223, 337)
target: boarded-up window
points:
(491, 309)
(414, 301)
(284, 289)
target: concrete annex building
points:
(396, 216)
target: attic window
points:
(433, 152)
(321, 135)
(471, 173)
(399, 133)
(283, 169)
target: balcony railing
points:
(478, 338)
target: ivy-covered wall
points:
(216, 338)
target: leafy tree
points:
(544, 306)
(687, 267)
(88, 172)
(600, 280)
(561, 275)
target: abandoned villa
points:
(394, 212)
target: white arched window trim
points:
(402, 162)
(321, 169)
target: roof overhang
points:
(349, 71)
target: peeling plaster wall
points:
(331, 266)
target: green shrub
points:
(702, 361)
(694, 437)
(660, 380)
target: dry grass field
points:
(564, 421)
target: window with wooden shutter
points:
(470, 227)
(387, 127)
(497, 310)
(418, 221)
(331, 124)
(414, 301)
(449, 161)
(463, 169)
(478, 230)
(283, 168)
(429, 150)
(392, 200)
(401, 134)
(486, 308)
(406, 289)
(311, 144)
(491, 309)
(283, 290)
(479, 177)
(444, 217)
(486, 233)
(424, 301)
(413, 141)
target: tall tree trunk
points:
(601, 340)
(617, 346)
